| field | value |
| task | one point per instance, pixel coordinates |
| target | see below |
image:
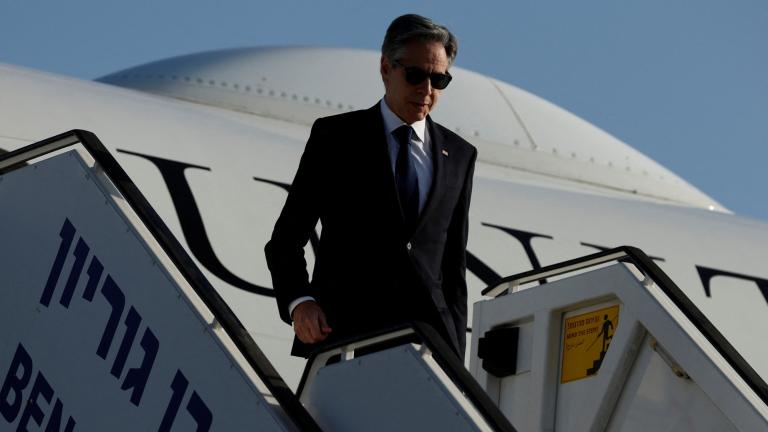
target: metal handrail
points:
(507, 284)
(441, 353)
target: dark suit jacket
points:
(369, 271)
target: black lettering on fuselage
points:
(706, 274)
(196, 236)
(524, 237)
(481, 270)
(192, 222)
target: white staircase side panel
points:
(98, 328)
(658, 371)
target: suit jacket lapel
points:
(439, 163)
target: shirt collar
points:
(392, 121)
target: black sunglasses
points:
(416, 75)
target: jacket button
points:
(408, 246)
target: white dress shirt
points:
(421, 152)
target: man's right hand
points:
(309, 323)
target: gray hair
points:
(412, 27)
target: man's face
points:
(413, 102)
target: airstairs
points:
(109, 325)
(608, 342)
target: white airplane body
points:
(213, 140)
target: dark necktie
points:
(406, 177)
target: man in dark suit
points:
(391, 189)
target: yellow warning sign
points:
(585, 341)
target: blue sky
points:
(685, 82)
